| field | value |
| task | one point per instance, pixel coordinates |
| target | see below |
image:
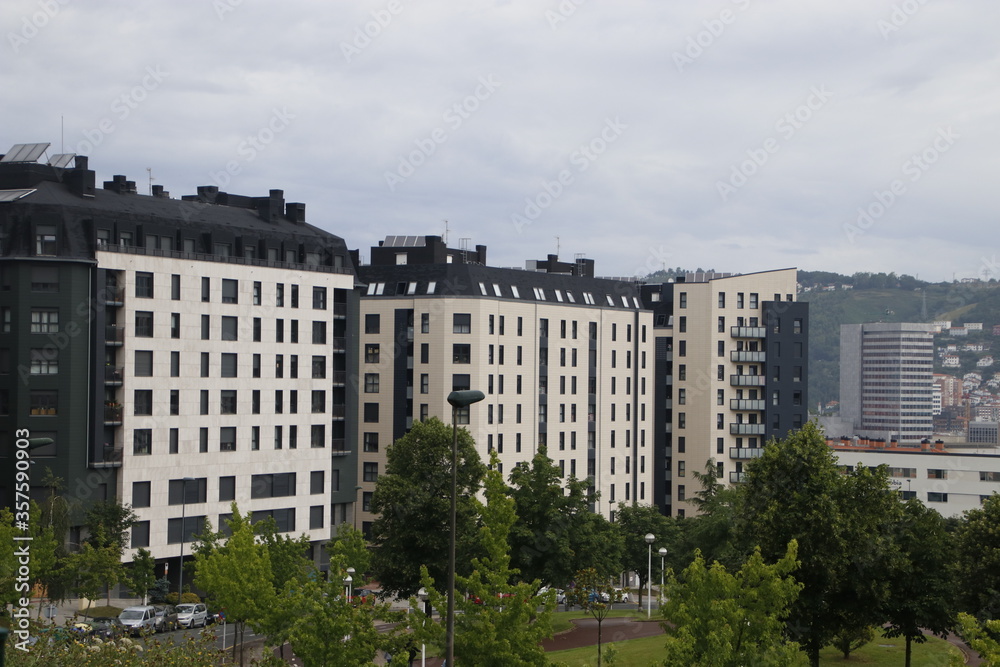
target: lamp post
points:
(457, 399)
(180, 573)
(349, 581)
(649, 575)
(663, 556)
(422, 594)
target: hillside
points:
(959, 302)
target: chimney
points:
(296, 212)
(119, 184)
(272, 207)
(81, 180)
(160, 193)
(208, 193)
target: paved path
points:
(613, 629)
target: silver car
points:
(192, 615)
(138, 619)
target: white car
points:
(192, 615)
(621, 595)
(138, 619)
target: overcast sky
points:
(739, 135)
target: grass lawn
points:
(649, 651)
(562, 620)
(99, 610)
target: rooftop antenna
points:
(557, 246)
(446, 232)
(62, 134)
(149, 170)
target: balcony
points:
(113, 376)
(339, 378)
(114, 335)
(112, 415)
(112, 295)
(338, 412)
(339, 309)
(748, 332)
(340, 447)
(747, 429)
(339, 344)
(737, 477)
(747, 404)
(754, 356)
(747, 380)
(744, 453)
(108, 456)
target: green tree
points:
(8, 561)
(413, 501)
(349, 546)
(981, 637)
(978, 543)
(94, 570)
(591, 590)
(141, 577)
(634, 522)
(850, 639)
(108, 523)
(922, 583)
(238, 577)
(556, 534)
(795, 491)
(502, 622)
(711, 530)
(718, 619)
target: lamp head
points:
(650, 538)
(663, 551)
(465, 398)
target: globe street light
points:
(422, 594)
(349, 581)
(457, 400)
(663, 555)
(649, 575)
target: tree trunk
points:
(813, 652)
(907, 663)
(598, 643)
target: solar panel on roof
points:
(25, 152)
(13, 195)
(61, 160)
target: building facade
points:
(180, 354)
(565, 361)
(731, 366)
(886, 380)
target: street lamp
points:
(457, 399)
(663, 556)
(422, 594)
(349, 582)
(180, 574)
(649, 575)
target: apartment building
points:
(887, 380)
(731, 364)
(565, 360)
(179, 354)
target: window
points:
(319, 399)
(317, 436)
(45, 240)
(682, 348)
(682, 300)
(142, 401)
(753, 300)
(227, 405)
(319, 367)
(44, 279)
(206, 289)
(206, 327)
(372, 325)
(175, 364)
(229, 328)
(371, 353)
(142, 441)
(424, 383)
(175, 402)
(681, 420)
(42, 321)
(256, 292)
(371, 413)
(140, 534)
(462, 323)
(229, 360)
(682, 324)
(370, 471)
(295, 295)
(203, 401)
(144, 324)
(370, 442)
(319, 333)
(227, 488)
(294, 330)
(279, 295)
(272, 485)
(44, 361)
(461, 382)
(227, 438)
(681, 396)
(230, 290)
(143, 285)
(316, 517)
(461, 353)
(319, 298)
(204, 364)
(140, 494)
(175, 325)
(143, 363)
(680, 492)
(936, 497)
(317, 482)
(278, 437)
(43, 402)
(255, 437)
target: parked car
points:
(166, 617)
(621, 595)
(136, 620)
(106, 627)
(192, 615)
